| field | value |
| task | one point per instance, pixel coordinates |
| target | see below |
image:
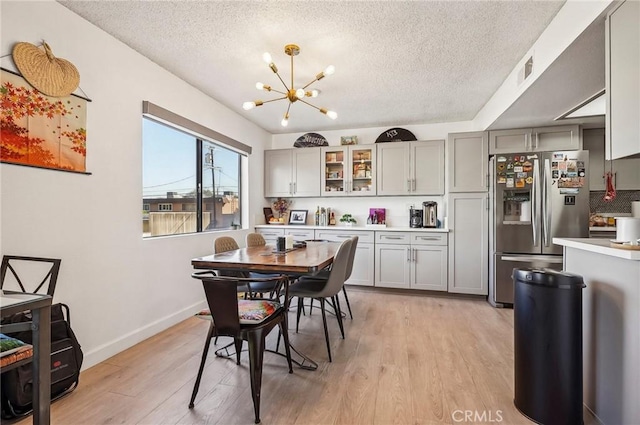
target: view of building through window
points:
(172, 174)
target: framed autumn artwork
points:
(41, 131)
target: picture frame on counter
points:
(298, 217)
(268, 214)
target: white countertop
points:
(600, 246)
(374, 228)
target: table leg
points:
(41, 328)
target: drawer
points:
(393, 237)
(340, 235)
(300, 235)
(429, 239)
(270, 233)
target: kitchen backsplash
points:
(620, 204)
(397, 208)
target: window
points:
(194, 181)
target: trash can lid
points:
(548, 277)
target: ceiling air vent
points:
(526, 70)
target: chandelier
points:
(291, 93)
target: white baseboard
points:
(112, 348)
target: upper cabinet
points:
(349, 170)
(411, 168)
(541, 139)
(292, 173)
(622, 84)
(468, 162)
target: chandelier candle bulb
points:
(267, 58)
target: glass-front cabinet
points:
(349, 170)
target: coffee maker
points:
(415, 218)
(430, 214)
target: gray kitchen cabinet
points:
(292, 173)
(349, 170)
(411, 260)
(468, 162)
(363, 262)
(411, 168)
(300, 235)
(270, 235)
(626, 171)
(539, 139)
(622, 67)
(468, 243)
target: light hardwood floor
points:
(406, 359)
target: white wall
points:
(397, 206)
(121, 288)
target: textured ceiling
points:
(397, 62)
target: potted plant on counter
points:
(347, 219)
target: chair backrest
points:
(224, 244)
(352, 256)
(31, 269)
(338, 273)
(255, 239)
(221, 293)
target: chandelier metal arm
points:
(281, 80)
(313, 106)
(312, 81)
(273, 100)
(278, 91)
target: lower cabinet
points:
(411, 260)
(468, 243)
(362, 273)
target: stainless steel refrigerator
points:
(534, 197)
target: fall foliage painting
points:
(39, 130)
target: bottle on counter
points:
(317, 221)
(332, 220)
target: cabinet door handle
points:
(290, 188)
(414, 254)
(408, 255)
(424, 238)
(414, 184)
(393, 237)
(295, 187)
(408, 185)
(537, 140)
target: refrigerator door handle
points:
(546, 207)
(532, 258)
(535, 201)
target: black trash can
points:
(547, 311)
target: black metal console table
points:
(40, 305)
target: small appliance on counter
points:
(415, 218)
(430, 214)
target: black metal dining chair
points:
(248, 320)
(309, 287)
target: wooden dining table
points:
(265, 259)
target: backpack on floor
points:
(66, 360)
